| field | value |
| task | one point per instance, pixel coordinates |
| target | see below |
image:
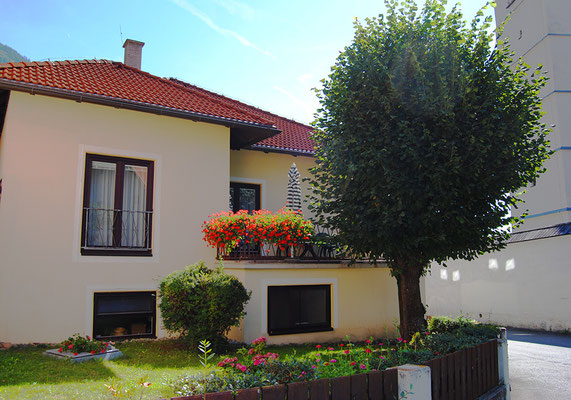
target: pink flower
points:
(88, 338)
(333, 360)
(367, 350)
(241, 367)
(400, 339)
(314, 366)
(147, 384)
(362, 366)
(70, 346)
(404, 341)
(260, 340)
(330, 348)
(346, 351)
(380, 344)
(318, 346)
(353, 363)
(381, 357)
(368, 341)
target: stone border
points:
(110, 354)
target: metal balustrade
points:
(116, 229)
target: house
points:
(527, 283)
(107, 173)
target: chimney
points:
(133, 51)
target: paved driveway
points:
(540, 365)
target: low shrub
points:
(201, 303)
(452, 334)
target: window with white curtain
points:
(117, 206)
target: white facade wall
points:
(46, 285)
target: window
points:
(117, 206)
(124, 314)
(244, 196)
(298, 309)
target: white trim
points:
(297, 281)
(77, 220)
(92, 289)
(261, 182)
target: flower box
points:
(110, 354)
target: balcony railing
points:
(320, 247)
(111, 229)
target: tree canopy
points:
(425, 136)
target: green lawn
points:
(26, 374)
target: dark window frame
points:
(297, 329)
(98, 295)
(237, 186)
(116, 249)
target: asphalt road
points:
(539, 365)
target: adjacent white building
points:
(528, 283)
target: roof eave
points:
(243, 133)
(283, 150)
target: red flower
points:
(70, 346)
(367, 350)
(92, 351)
(60, 350)
(74, 354)
(318, 346)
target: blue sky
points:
(266, 53)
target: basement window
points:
(299, 309)
(121, 315)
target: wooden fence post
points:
(503, 367)
(414, 382)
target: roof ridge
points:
(171, 83)
(186, 84)
(25, 64)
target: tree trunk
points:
(411, 309)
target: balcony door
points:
(244, 196)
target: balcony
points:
(116, 232)
(319, 248)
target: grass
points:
(26, 374)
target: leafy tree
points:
(424, 137)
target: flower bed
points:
(79, 349)
(257, 367)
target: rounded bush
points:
(201, 304)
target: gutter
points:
(265, 130)
(282, 150)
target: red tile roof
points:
(294, 136)
(118, 81)
(114, 80)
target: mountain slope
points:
(8, 54)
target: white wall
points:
(525, 285)
(46, 285)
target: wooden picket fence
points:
(463, 375)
